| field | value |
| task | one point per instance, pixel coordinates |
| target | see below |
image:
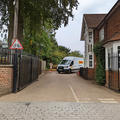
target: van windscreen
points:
(65, 62)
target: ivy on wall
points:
(100, 66)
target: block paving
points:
(59, 111)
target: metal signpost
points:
(16, 45)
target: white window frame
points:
(90, 60)
(101, 34)
(90, 36)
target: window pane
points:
(101, 34)
(90, 36)
(90, 57)
(90, 48)
(90, 63)
(90, 60)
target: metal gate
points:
(113, 71)
(26, 70)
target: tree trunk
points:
(11, 22)
(20, 22)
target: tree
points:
(64, 49)
(76, 54)
(34, 15)
(38, 20)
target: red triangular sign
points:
(16, 45)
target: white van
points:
(70, 64)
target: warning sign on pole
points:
(16, 45)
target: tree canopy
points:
(76, 53)
(35, 14)
(38, 20)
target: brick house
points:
(107, 31)
(90, 22)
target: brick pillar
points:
(107, 79)
(6, 79)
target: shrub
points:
(100, 66)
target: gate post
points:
(109, 70)
(31, 73)
(15, 73)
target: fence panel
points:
(84, 72)
(6, 57)
(35, 66)
(26, 67)
(29, 68)
(24, 71)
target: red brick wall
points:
(87, 73)
(107, 79)
(91, 74)
(113, 24)
(6, 78)
(96, 36)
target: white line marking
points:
(74, 94)
(108, 101)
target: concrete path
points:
(53, 87)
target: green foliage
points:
(34, 14)
(57, 56)
(64, 49)
(76, 54)
(38, 20)
(100, 68)
(100, 73)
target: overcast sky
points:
(70, 36)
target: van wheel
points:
(59, 72)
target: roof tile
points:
(93, 19)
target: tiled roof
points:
(93, 19)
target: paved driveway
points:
(61, 97)
(63, 88)
(59, 111)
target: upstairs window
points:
(101, 34)
(90, 48)
(90, 36)
(90, 61)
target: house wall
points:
(113, 24)
(111, 27)
(87, 73)
(86, 36)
